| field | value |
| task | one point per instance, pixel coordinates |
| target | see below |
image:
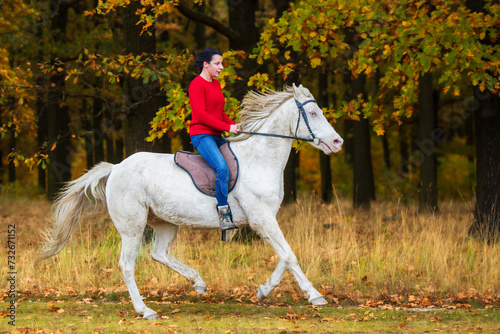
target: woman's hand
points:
(234, 128)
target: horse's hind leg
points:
(131, 243)
(265, 289)
(162, 252)
(130, 222)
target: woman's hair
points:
(205, 55)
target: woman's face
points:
(215, 66)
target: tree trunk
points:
(242, 20)
(116, 153)
(290, 178)
(487, 134)
(98, 131)
(428, 138)
(143, 98)
(347, 147)
(363, 185)
(290, 174)
(12, 166)
(487, 127)
(281, 6)
(119, 150)
(186, 143)
(200, 30)
(324, 160)
(387, 152)
(42, 131)
(143, 101)
(2, 167)
(41, 112)
(326, 178)
(404, 150)
(59, 170)
(87, 128)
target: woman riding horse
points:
(208, 122)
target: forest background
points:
(412, 87)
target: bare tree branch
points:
(207, 20)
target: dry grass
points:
(389, 250)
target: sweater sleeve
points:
(228, 120)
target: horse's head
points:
(313, 124)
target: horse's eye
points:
(313, 113)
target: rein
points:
(304, 115)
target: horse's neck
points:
(270, 152)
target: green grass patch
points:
(100, 315)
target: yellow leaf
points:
(482, 86)
(315, 62)
(53, 147)
(387, 49)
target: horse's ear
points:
(294, 90)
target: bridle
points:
(302, 113)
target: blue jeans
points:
(208, 147)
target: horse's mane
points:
(256, 108)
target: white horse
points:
(147, 184)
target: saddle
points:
(202, 174)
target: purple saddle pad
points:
(202, 174)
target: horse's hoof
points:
(319, 301)
(201, 290)
(260, 294)
(150, 315)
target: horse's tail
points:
(70, 205)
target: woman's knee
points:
(222, 172)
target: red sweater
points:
(207, 108)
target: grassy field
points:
(386, 270)
(212, 315)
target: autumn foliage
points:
(396, 42)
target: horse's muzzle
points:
(332, 146)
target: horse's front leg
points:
(267, 227)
